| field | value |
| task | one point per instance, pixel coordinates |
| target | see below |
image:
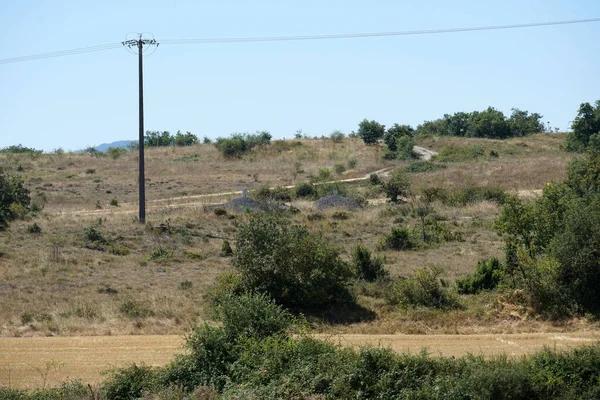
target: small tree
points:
(397, 186)
(396, 132)
(370, 131)
(14, 199)
(585, 125)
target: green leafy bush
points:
(423, 289)
(14, 199)
(397, 186)
(134, 309)
(488, 274)
(305, 189)
(337, 136)
(239, 144)
(398, 239)
(116, 152)
(130, 383)
(366, 267)
(296, 268)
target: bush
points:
(226, 250)
(296, 268)
(14, 196)
(458, 154)
(339, 168)
(398, 239)
(239, 144)
(116, 152)
(251, 316)
(265, 193)
(34, 228)
(488, 274)
(374, 179)
(367, 268)
(94, 238)
(114, 202)
(130, 383)
(423, 166)
(337, 136)
(305, 189)
(424, 289)
(134, 309)
(397, 186)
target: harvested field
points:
(25, 361)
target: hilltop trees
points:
(164, 139)
(586, 128)
(489, 123)
(370, 131)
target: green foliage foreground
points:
(253, 356)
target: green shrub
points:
(374, 179)
(34, 228)
(423, 166)
(458, 154)
(130, 383)
(134, 309)
(397, 187)
(226, 250)
(488, 274)
(238, 144)
(251, 316)
(185, 285)
(295, 267)
(339, 168)
(423, 289)
(305, 189)
(114, 202)
(367, 267)
(160, 253)
(277, 194)
(352, 163)
(94, 238)
(398, 239)
(116, 152)
(468, 195)
(14, 196)
(337, 136)
(119, 250)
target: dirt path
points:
(199, 200)
(25, 361)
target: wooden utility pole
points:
(140, 43)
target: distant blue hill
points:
(120, 143)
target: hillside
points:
(93, 270)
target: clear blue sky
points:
(316, 86)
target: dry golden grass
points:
(37, 362)
(51, 284)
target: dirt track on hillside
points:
(24, 361)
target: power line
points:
(368, 35)
(62, 53)
(112, 46)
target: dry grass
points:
(36, 362)
(51, 284)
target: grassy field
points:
(28, 363)
(153, 279)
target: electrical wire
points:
(62, 53)
(368, 35)
(111, 46)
